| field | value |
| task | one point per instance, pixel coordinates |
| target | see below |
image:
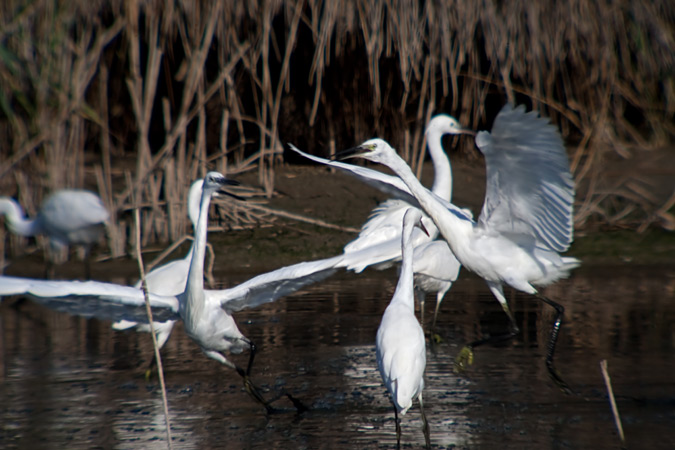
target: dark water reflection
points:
(66, 382)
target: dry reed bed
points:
(136, 99)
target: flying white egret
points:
(206, 314)
(526, 218)
(400, 346)
(67, 217)
(378, 243)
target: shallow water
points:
(66, 382)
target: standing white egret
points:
(378, 243)
(385, 220)
(67, 217)
(206, 314)
(400, 346)
(527, 213)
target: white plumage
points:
(206, 314)
(378, 243)
(527, 214)
(170, 278)
(400, 346)
(67, 217)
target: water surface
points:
(66, 382)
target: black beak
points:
(230, 194)
(353, 152)
(227, 182)
(467, 131)
(224, 181)
(423, 228)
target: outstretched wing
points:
(105, 301)
(530, 189)
(389, 184)
(271, 286)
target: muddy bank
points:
(336, 198)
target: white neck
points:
(442, 171)
(193, 298)
(16, 220)
(405, 287)
(447, 220)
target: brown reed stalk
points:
(148, 309)
(612, 401)
(371, 68)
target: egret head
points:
(376, 150)
(214, 183)
(413, 218)
(445, 124)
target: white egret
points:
(400, 346)
(526, 218)
(378, 243)
(385, 220)
(168, 279)
(67, 217)
(206, 314)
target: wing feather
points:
(388, 184)
(88, 299)
(529, 184)
(271, 286)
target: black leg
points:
(398, 428)
(425, 424)
(253, 349)
(552, 341)
(255, 391)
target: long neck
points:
(405, 287)
(194, 288)
(194, 200)
(194, 218)
(442, 171)
(449, 221)
(16, 220)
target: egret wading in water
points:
(400, 346)
(378, 243)
(206, 314)
(526, 218)
(168, 279)
(67, 217)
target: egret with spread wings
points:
(378, 244)
(206, 314)
(169, 278)
(526, 218)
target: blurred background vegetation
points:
(135, 99)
